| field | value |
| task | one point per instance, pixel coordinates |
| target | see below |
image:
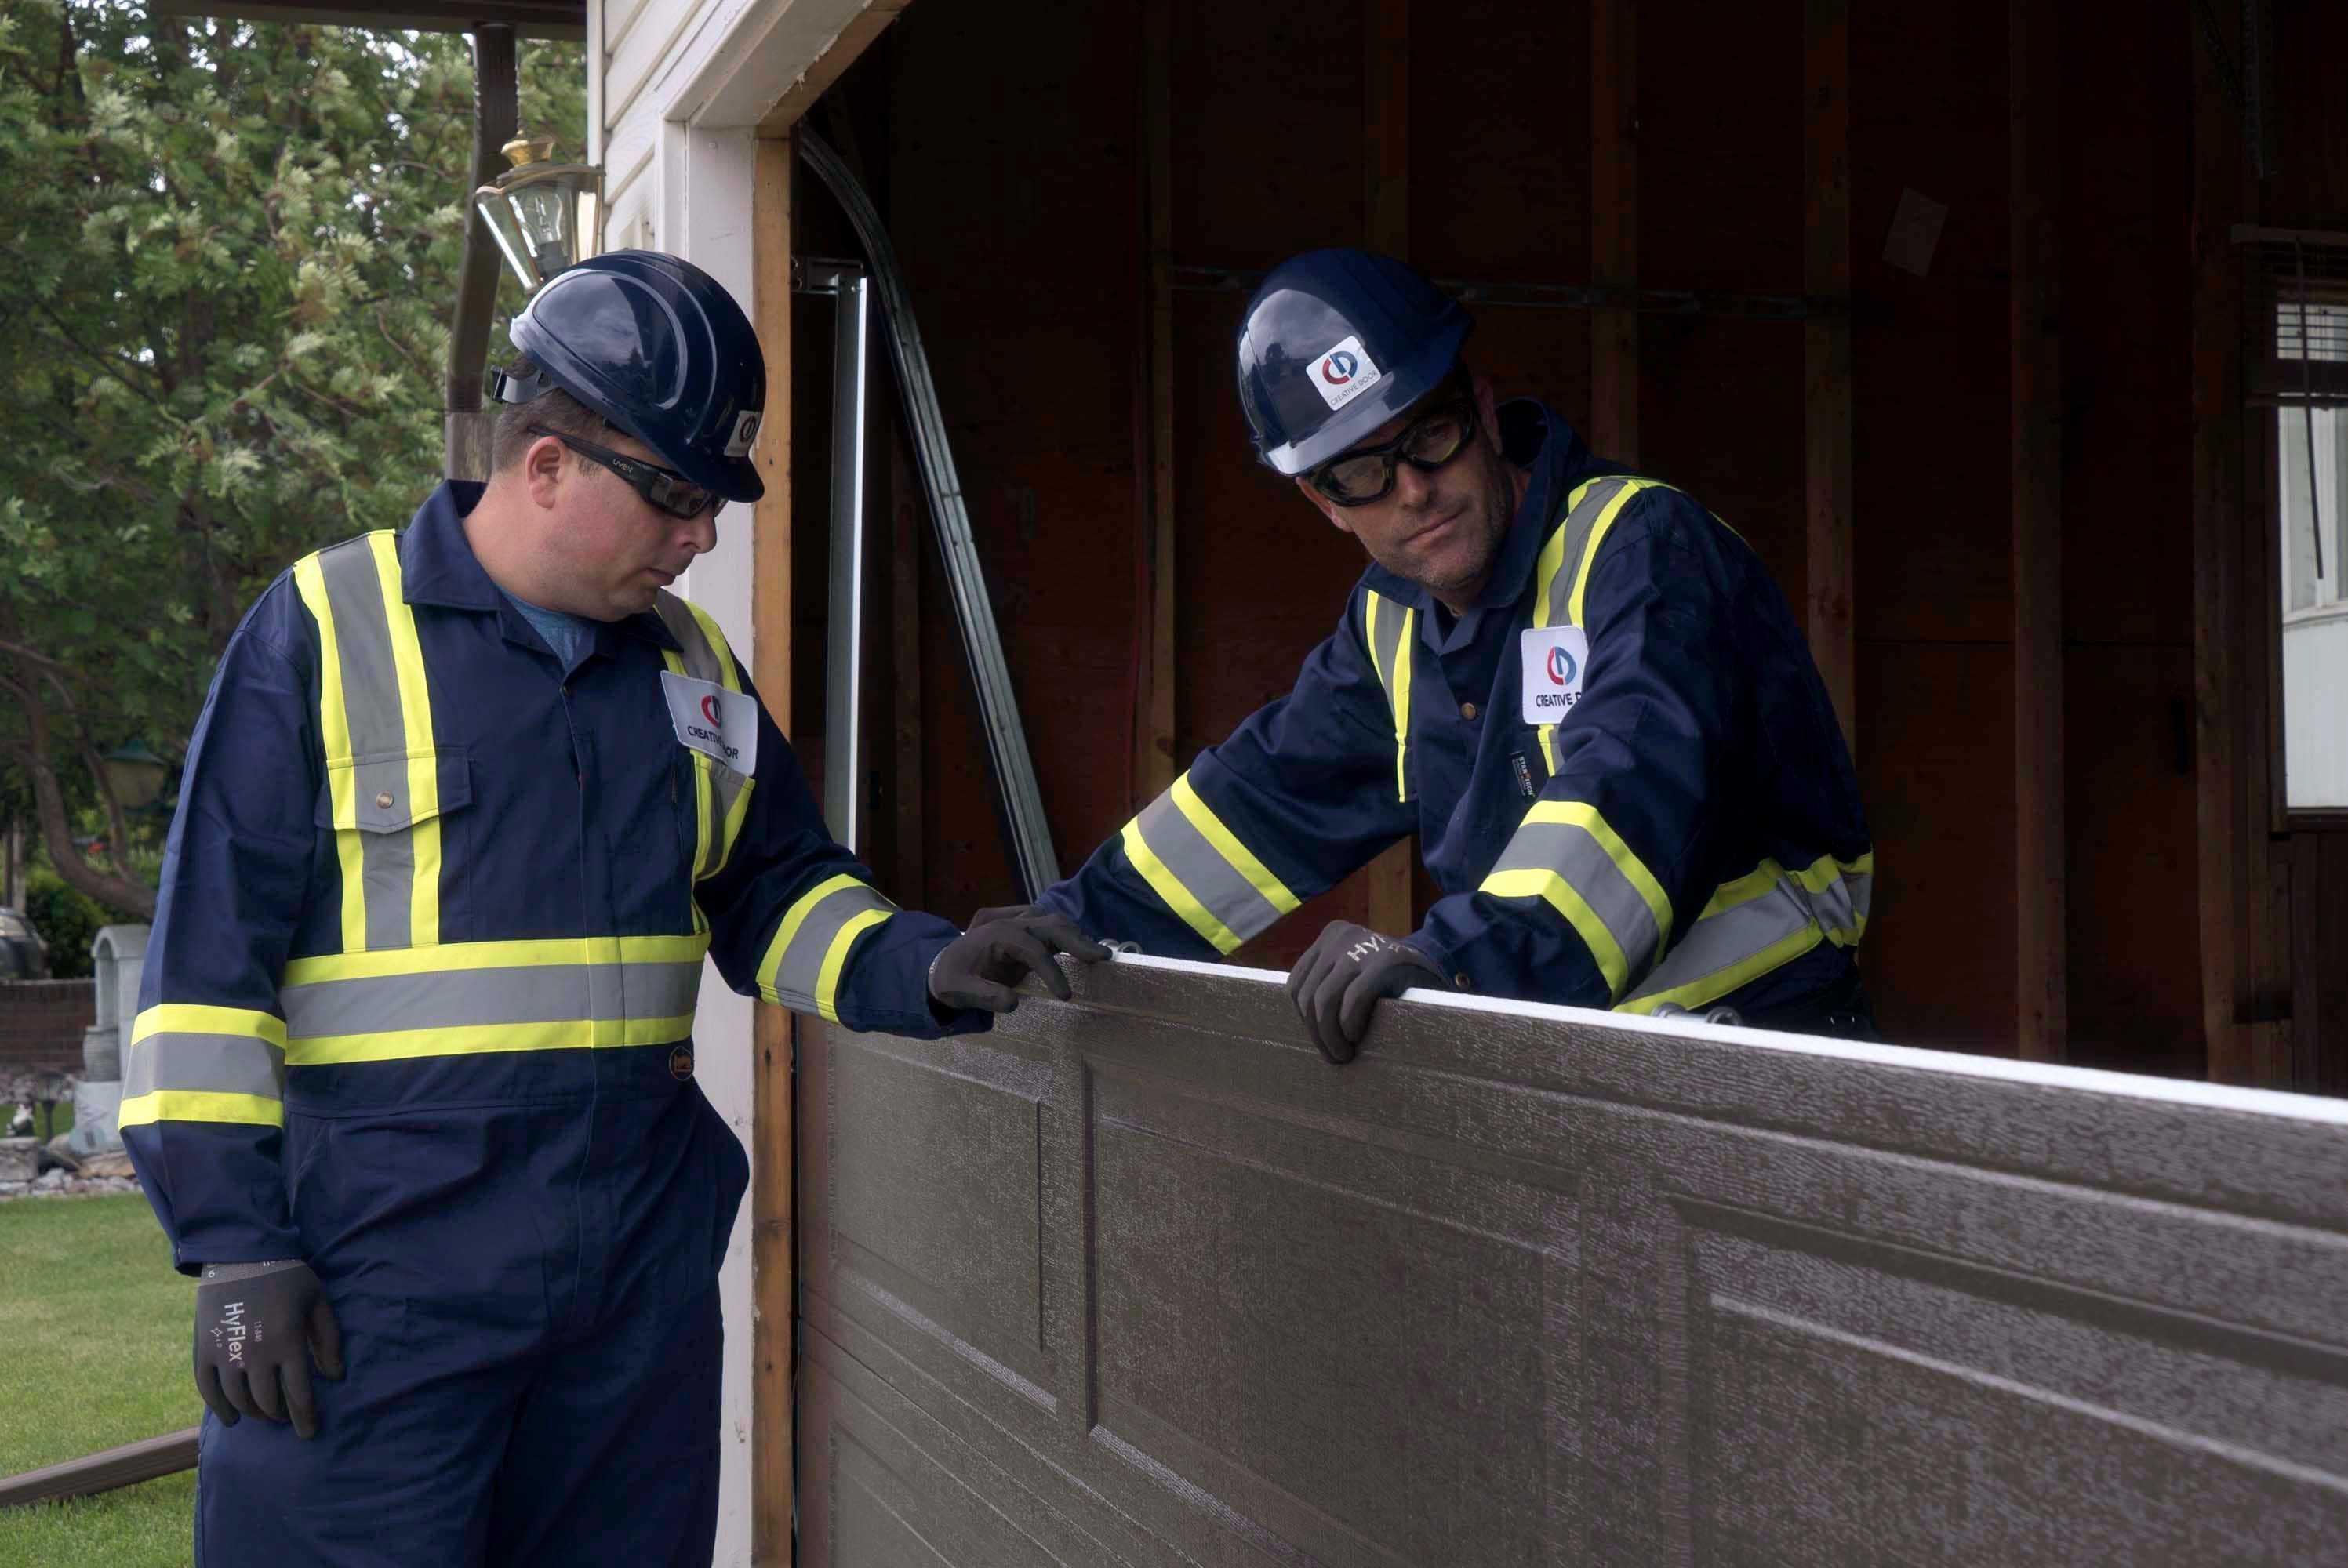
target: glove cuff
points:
(234, 1273)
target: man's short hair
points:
(553, 408)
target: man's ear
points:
(1327, 508)
(541, 470)
(1488, 408)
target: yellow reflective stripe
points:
(1755, 883)
(772, 964)
(1539, 883)
(1598, 537)
(1720, 983)
(835, 958)
(1227, 844)
(675, 662)
(1178, 897)
(1821, 876)
(190, 1105)
(476, 1040)
(196, 1018)
(1583, 816)
(1402, 703)
(460, 956)
(1552, 557)
(728, 672)
(423, 760)
(335, 732)
(736, 815)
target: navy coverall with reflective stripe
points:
(1689, 831)
(420, 1014)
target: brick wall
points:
(41, 1024)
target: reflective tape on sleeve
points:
(197, 1063)
(1565, 853)
(1218, 886)
(1392, 627)
(808, 956)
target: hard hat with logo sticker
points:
(1336, 343)
(658, 347)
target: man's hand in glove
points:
(1343, 974)
(979, 968)
(258, 1327)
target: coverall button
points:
(383, 801)
(1460, 979)
(1467, 710)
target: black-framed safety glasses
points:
(664, 488)
(1431, 441)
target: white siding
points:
(677, 88)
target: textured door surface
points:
(1139, 1279)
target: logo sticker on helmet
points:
(1344, 373)
(746, 430)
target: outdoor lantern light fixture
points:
(135, 774)
(544, 215)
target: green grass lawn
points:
(96, 1325)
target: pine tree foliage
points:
(228, 259)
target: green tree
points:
(228, 256)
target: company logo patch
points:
(709, 719)
(746, 431)
(1556, 658)
(1344, 373)
(680, 1063)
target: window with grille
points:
(2298, 371)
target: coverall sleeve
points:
(203, 1110)
(797, 920)
(1303, 792)
(1617, 852)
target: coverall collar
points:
(437, 566)
(1533, 437)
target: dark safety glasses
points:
(664, 488)
(1366, 474)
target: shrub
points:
(68, 921)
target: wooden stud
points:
(1825, 358)
(1153, 764)
(774, 1283)
(1385, 126)
(1614, 227)
(2036, 454)
(2216, 393)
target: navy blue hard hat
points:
(1336, 343)
(658, 347)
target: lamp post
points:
(544, 215)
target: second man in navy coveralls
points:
(411, 1085)
(1579, 690)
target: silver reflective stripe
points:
(1386, 623)
(1843, 906)
(704, 662)
(800, 974)
(700, 659)
(489, 999)
(1574, 854)
(1728, 937)
(1220, 887)
(1577, 526)
(378, 730)
(205, 1065)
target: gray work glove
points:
(979, 968)
(258, 1327)
(1341, 977)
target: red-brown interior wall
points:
(1009, 161)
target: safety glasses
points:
(1366, 474)
(664, 488)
